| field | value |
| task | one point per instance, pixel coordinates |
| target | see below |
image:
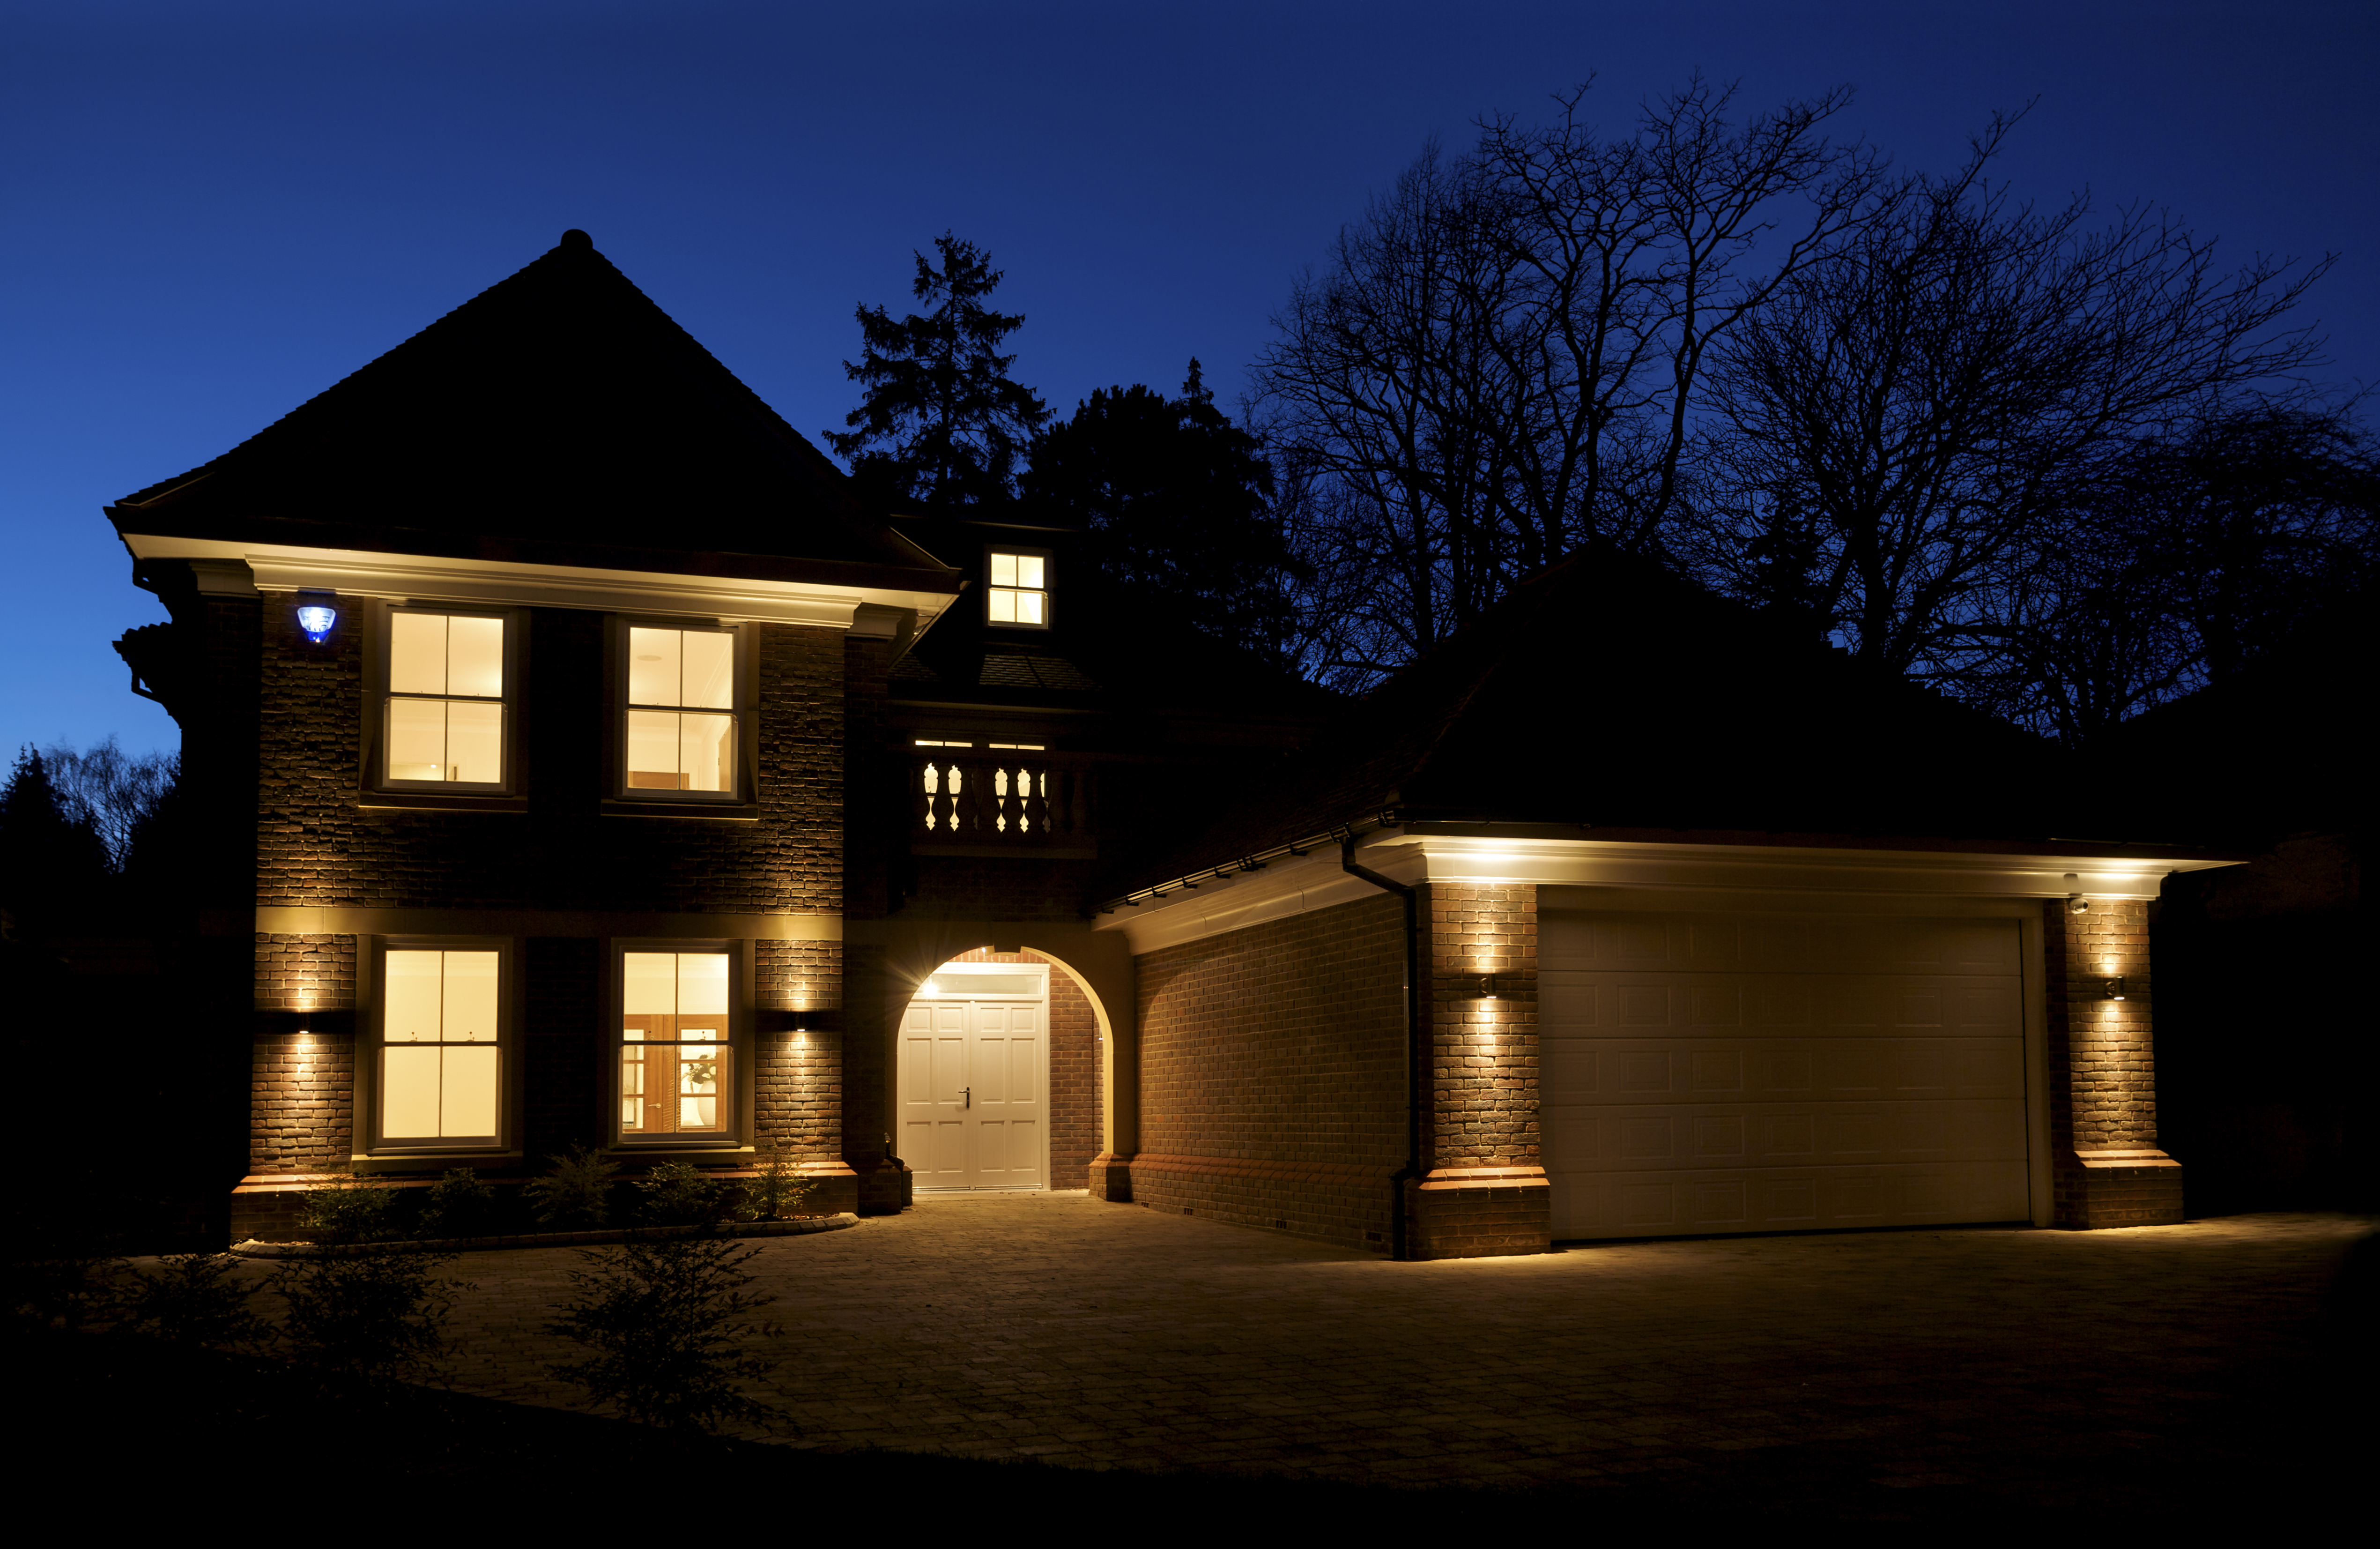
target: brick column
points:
(1484, 1189)
(2108, 1170)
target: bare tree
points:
(115, 792)
(1498, 361)
(2194, 553)
(1910, 428)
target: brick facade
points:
(1272, 1074)
(2107, 1165)
(1484, 1191)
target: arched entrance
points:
(974, 1107)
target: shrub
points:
(658, 1320)
(777, 1191)
(350, 1210)
(680, 1194)
(376, 1315)
(461, 1203)
(575, 1196)
(192, 1298)
(52, 1284)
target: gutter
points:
(1255, 862)
(1400, 1247)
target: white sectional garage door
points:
(1750, 1073)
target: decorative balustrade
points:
(1025, 799)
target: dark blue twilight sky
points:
(212, 210)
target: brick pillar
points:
(1484, 1189)
(2108, 1170)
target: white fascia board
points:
(1744, 872)
(1299, 884)
(1790, 869)
(505, 583)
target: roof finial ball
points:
(575, 238)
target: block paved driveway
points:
(2010, 1368)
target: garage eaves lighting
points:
(316, 620)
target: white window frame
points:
(734, 1136)
(370, 1082)
(381, 698)
(744, 673)
(1048, 588)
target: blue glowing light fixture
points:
(316, 620)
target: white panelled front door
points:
(974, 1074)
(1746, 1073)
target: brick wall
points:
(2107, 1167)
(305, 973)
(301, 1098)
(315, 846)
(1484, 1192)
(1272, 1073)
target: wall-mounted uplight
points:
(2113, 989)
(316, 619)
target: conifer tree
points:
(939, 424)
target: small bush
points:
(461, 1203)
(375, 1316)
(575, 1196)
(776, 1193)
(659, 1321)
(50, 1285)
(680, 1194)
(350, 1210)
(192, 1298)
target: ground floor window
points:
(676, 1057)
(440, 1055)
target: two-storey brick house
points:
(579, 765)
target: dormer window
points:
(1019, 592)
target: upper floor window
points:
(441, 1049)
(1019, 592)
(446, 699)
(682, 711)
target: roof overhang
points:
(1743, 876)
(511, 583)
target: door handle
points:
(966, 1097)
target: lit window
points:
(1019, 592)
(1022, 747)
(675, 1056)
(931, 742)
(681, 730)
(446, 699)
(439, 1068)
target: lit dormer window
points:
(1019, 592)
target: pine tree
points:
(940, 423)
(51, 859)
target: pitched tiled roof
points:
(559, 415)
(1607, 691)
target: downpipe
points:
(1400, 1244)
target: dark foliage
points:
(680, 1194)
(372, 1315)
(1178, 502)
(577, 1195)
(659, 1323)
(939, 424)
(53, 861)
(194, 1298)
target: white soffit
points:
(1788, 877)
(505, 583)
